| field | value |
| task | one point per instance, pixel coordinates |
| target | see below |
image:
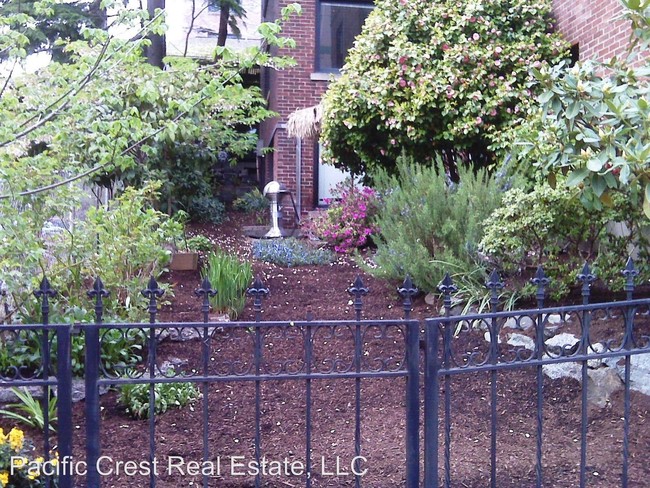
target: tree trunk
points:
(158, 49)
(224, 17)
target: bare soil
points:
(322, 292)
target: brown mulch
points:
(322, 292)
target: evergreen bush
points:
(429, 225)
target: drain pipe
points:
(299, 178)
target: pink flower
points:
(476, 36)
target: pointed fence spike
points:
(494, 281)
(407, 291)
(45, 289)
(586, 276)
(258, 289)
(205, 290)
(630, 269)
(152, 290)
(447, 286)
(358, 289)
(98, 291)
(541, 281)
(630, 272)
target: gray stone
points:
(524, 323)
(562, 370)
(595, 349)
(520, 340)
(601, 383)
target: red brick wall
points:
(287, 91)
(591, 24)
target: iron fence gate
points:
(355, 350)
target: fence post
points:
(258, 291)
(541, 281)
(358, 290)
(64, 401)
(407, 291)
(630, 272)
(91, 368)
(586, 277)
(205, 292)
(44, 293)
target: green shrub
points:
(550, 227)
(254, 203)
(428, 225)
(199, 244)
(135, 397)
(207, 209)
(230, 278)
(290, 252)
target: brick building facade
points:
(589, 25)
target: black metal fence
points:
(355, 350)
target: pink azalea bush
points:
(348, 222)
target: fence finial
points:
(358, 290)
(630, 272)
(494, 284)
(45, 292)
(447, 287)
(541, 281)
(153, 292)
(407, 291)
(206, 292)
(258, 291)
(586, 277)
(98, 293)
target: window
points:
(338, 24)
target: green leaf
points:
(646, 201)
(577, 176)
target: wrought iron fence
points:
(355, 350)
(453, 351)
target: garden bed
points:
(321, 291)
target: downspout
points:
(299, 177)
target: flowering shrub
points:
(347, 223)
(426, 77)
(17, 470)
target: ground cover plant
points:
(135, 397)
(291, 252)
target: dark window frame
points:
(367, 4)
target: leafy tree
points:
(440, 77)
(593, 124)
(53, 22)
(105, 112)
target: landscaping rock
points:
(524, 323)
(601, 383)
